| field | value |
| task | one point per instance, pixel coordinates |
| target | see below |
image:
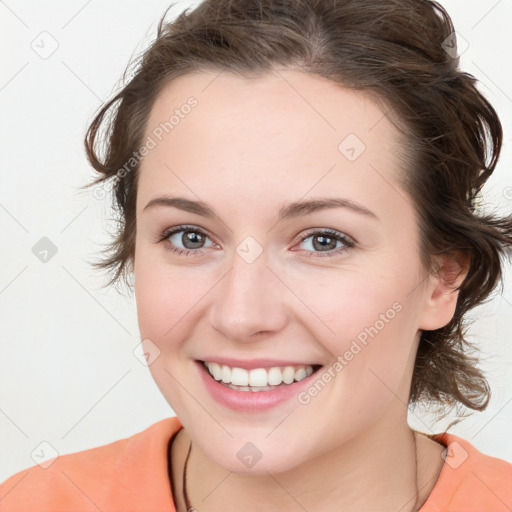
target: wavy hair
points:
(402, 52)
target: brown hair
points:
(394, 50)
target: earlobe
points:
(442, 291)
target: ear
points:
(441, 297)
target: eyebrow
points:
(291, 210)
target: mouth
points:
(259, 379)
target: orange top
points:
(132, 475)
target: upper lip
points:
(250, 364)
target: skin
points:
(248, 148)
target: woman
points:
(298, 184)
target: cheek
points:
(366, 323)
(163, 297)
(346, 305)
(165, 310)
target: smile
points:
(261, 385)
(257, 379)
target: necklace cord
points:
(185, 493)
(190, 508)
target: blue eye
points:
(195, 238)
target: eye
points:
(325, 241)
(193, 241)
(191, 237)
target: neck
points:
(373, 472)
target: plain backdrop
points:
(69, 376)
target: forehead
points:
(286, 131)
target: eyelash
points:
(346, 240)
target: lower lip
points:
(250, 401)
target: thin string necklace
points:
(190, 508)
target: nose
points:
(250, 301)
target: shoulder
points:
(121, 475)
(470, 480)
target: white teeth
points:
(261, 378)
(257, 377)
(216, 370)
(275, 376)
(226, 374)
(239, 376)
(288, 375)
(300, 374)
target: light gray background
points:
(68, 373)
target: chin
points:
(277, 463)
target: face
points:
(340, 287)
